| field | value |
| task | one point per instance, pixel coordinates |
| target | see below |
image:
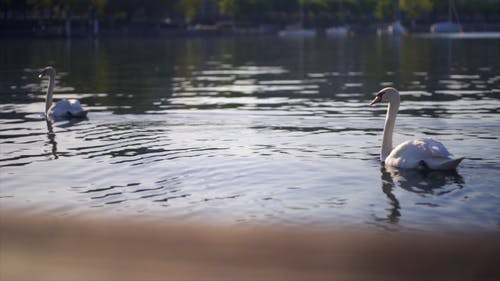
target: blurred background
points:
(154, 17)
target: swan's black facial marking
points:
(378, 98)
(44, 73)
(48, 71)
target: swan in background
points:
(63, 109)
(419, 153)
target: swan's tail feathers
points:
(448, 164)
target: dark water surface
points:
(256, 130)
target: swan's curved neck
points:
(390, 120)
(50, 91)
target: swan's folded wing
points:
(76, 109)
(435, 155)
(436, 148)
(410, 154)
(59, 109)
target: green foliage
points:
(383, 10)
(227, 7)
(189, 7)
(411, 9)
(257, 11)
(415, 9)
(99, 6)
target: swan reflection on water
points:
(421, 182)
(51, 138)
(51, 135)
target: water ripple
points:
(182, 130)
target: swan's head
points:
(386, 94)
(48, 71)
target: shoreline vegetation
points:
(83, 29)
(44, 247)
(118, 18)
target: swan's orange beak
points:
(377, 99)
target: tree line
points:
(250, 12)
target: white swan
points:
(63, 109)
(419, 153)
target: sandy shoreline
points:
(49, 248)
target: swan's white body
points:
(419, 153)
(66, 109)
(63, 109)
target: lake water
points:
(258, 130)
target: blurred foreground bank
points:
(47, 248)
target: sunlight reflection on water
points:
(244, 131)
